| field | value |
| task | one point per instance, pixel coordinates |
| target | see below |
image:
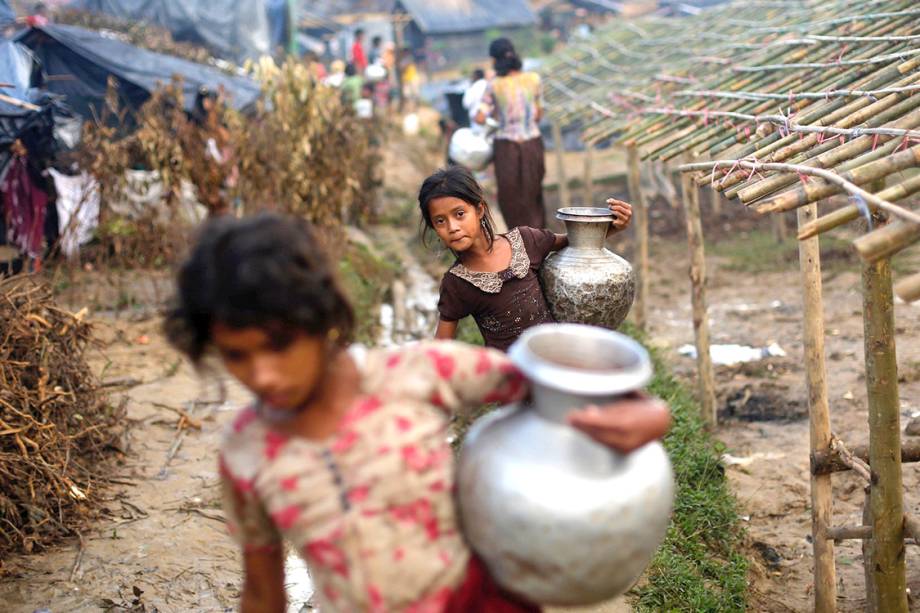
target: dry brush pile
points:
(56, 428)
(301, 151)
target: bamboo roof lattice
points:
(783, 103)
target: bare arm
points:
(627, 424)
(263, 587)
(561, 242)
(447, 330)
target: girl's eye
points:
(460, 214)
(280, 342)
(438, 222)
(231, 355)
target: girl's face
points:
(456, 222)
(282, 369)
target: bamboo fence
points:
(778, 105)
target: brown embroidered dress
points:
(504, 303)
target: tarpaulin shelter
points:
(460, 30)
(231, 29)
(29, 117)
(7, 15)
(21, 117)
(78, 63)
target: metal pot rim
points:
(570, 379)
(588, 214)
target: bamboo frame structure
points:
(819, 413)
(785, 105)
(640, 226)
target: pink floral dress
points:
(370, 509)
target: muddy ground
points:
(161, 544)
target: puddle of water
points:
(297, 584)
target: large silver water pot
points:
(585, 282)
(558, 518)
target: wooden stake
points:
(868, 551)
(779, 228)
(589, 175)
(715, 202)
(707, 396)
(561, 180)
(886, 494)
(640, 227)
(818, 413)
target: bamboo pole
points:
(819, 414)
(908, 289)
(589, 174)
(640, 227)
(868, 551)
(830, 461)
(843, 533)
(715, 202)
(887, 240)
(780, 231)
(706, 377)
(851, 212)
(886, 493)
(833, 183)
(561, 179)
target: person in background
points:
(514, 99)
(38, 17)
(472, 98)
(336, 74)
(358, 57)
(495, 276)
(411, 81)
(375, 55)
(352, 84)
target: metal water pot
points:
(558, 518)
(585, 282)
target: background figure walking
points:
(514, 99)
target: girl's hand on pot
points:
(625, 425)
(623, 212)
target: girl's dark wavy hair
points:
(266, 271)
(453, 182)
(506, 59)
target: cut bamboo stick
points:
(843, 533)
(589, 175)
(561, 179)
(818, 414)
(887, 240)
(851, 212)
(705, 374)
(886, 493)
(640, 225)
(828, 461)
(908, 289)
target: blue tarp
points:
(232, 29)
(79, 62)
(468, 15)
(7, 15)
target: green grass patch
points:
(759, 252)
(366, 279)
(700, 567)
